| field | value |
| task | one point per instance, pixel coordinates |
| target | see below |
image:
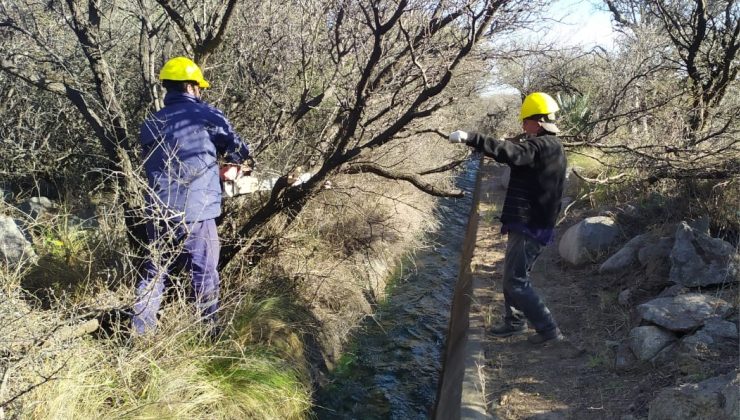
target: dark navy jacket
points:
(537, 177)
(180, 144)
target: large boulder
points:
(625, 257)
(677, 358)
(701, 224)
(716, 338)
(683, 312)
(652, 253)
(719, 328)
(700, 260)
(715, 342)
(14, 247)
(656, 251)
(649, 340)
(699, 346)
(587, 239)
(716, 398)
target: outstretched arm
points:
(510, 152)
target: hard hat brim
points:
(550, 126)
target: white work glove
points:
(458, 136)
(229, 172)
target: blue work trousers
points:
(521, 300)
(191, 245)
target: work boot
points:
(543, 337)
(507, 330)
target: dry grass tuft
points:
(177, 373)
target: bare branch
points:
(444, 168)
(609, 180)
(414, 179)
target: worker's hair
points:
(177, 85)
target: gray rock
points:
(705, 345)
(699, 260)
(683, 312)
(719, 328)
(667, 355)
(624, 359)
(625, 257)
(700, 224)
(699, 345)
(14, 247)
(716, 398)
(648, 340)
(80, 223)
(587, 239)
(693, 350)
(676, 358)
(608, 213)
(36, 207)
(657, 250)
(673, 291)
(625, 297)
(629, 210)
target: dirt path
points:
(571, 379)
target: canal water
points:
(392, 366)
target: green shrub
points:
(575, 115)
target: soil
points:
(576, 378)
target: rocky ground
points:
(607, 368)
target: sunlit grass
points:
(178, 373)
(588, 161)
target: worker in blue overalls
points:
(180, 147)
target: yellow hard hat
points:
(183, 69)
(538, 103)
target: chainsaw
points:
(238, 180)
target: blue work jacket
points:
(180, 145)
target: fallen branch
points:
(72, 331)
(565, 211)
(599, 181)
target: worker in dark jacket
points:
(180, 146)
(530, 210)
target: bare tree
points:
(705, 40)
(63, 48)
(660, 99)
(388, 67)
(322, 84)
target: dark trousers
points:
(191, 245)
(521, 300)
